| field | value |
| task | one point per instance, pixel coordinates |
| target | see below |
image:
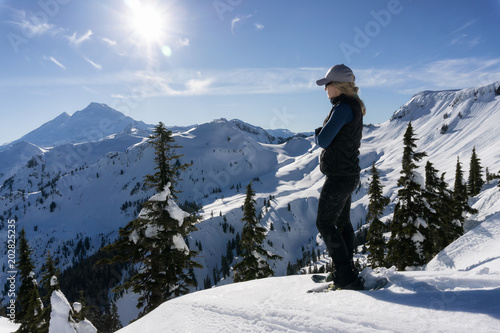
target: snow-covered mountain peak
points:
(420, 102)
(93, 123)
(101, 109)
(17, 156)
(258, 133)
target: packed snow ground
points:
(457, 292)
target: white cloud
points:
(55, 61)
(182, 42)
(258, 26)
(233, 23)
(466, 41)
(197, 86)
(237, 20)
(108, 41)
(438, 75)
(74, 40)
(465, 26)
(96, 65)
(441, 74)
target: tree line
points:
(428, 215)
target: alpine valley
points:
(73, 182)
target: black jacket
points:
(340, 158)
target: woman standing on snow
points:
(340, 137)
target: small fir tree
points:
(475, 175)
(111, 322)
(375, 237)
(255, 259)
(30, 304)
(408, 228)
(50, 283)
(460, 198)
(439, 214)
(167, 163)
(460, 193)
(155, 241)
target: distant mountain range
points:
(93, 123)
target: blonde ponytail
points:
(350, 89)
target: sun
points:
(148, 24)
(147, 21)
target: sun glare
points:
(148, 23)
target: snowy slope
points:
(17, 156)
(471, 115)
(454, 300)
(481, 248)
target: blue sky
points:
(192, 61)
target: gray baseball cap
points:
(338, 73)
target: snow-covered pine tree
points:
(375, 237)
(254, 264)
(63, 315)
(475, 174)
(49, 284)
(405, 247)
(80, 308)
(154, 242)
(29, 314)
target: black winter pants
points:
(334, 220)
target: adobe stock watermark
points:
(280, 119)
(223, 6)
(364, 36)
(48, 8)
(130, 101)
(11, 270)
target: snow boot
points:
(346, 277)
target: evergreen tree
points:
(155, 241)
(30, 304)
(80, 308)
(375, 237)
(254, 264)
(440, 215)
(167, 163)
(111, 320)
(50, 283)
(460, 200)
(475, 175)
(460, 193)
(405, 247)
